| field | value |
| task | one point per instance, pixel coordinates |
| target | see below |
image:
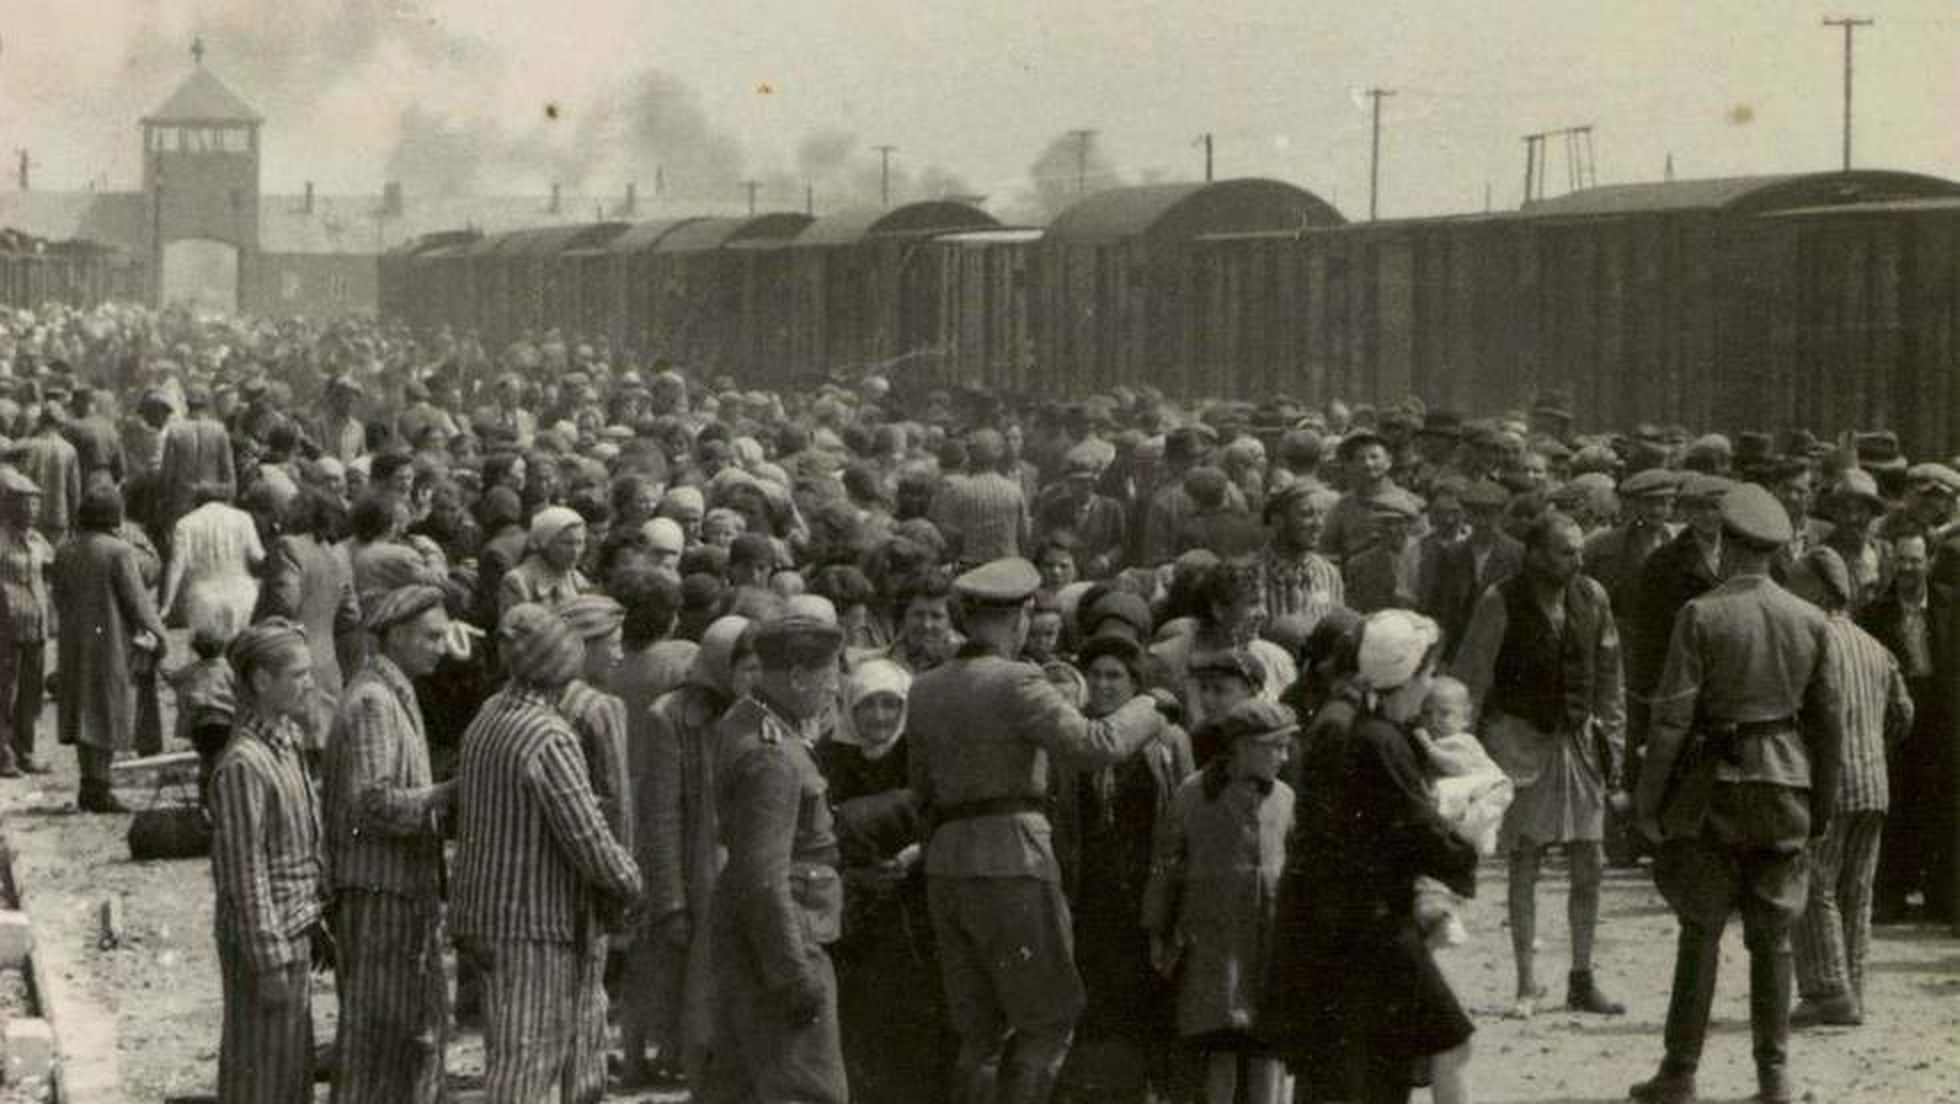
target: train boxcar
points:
(848, 273)
(697, 287)
(982, 284)
(1648, 302)
(608, 273)
(1117, 301)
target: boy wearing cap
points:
(1743, 766)
(778, 902)
(983, 726)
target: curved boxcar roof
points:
(933, 216)
(642, 237)
(1744, 195)
(1182, 211)
(545, 241)
(714, 233)
(431, 242)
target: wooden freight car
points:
(697, 285)
(608, 276)
(1645, 302)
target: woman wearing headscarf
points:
(676, 837)
(1353, 999)
(1104, 823)
(887, 978)
(214, 552)
(106, 617)
(548, 574)
(267, 869)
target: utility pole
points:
(1668, 171)
(26, 165)
(1850, 25)
(751, 185)
(809, 199)
(885, 174)
(1375, 149)
(1205, 138)
(1082, 160)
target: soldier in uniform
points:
(984, 725)
(1743, 764)
(779, 900)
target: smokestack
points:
(632, 199)
(25, 164)
(554, 199)
(659, 181)
(308, 205)
(391, 199)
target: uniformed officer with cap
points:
(983, 727)
(779, 900)
(1742, 770)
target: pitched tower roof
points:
(203, 98)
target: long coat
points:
(1350, 970)
(98, 586)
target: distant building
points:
(223, 244)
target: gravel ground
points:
(160, 983)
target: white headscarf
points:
(1393, 644)
(873, 676)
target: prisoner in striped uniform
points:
(266, 866)
(539, 875)
(598, 717)
(384, 818)
(779, 901)
(1832, 937)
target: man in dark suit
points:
(1465, 570)
(196, 450)
(1677, 573)
(1915, 621)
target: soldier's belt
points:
(1725, 740)
(992, 806)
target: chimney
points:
(25, 165)
(632, 199)
(554, 199)
(391, 199)
(308, 205)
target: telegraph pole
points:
(751, 185)
(1082, 160)
(1850, 25)
(885, 174)
(1375, 149)
(1206, 139)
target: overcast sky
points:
(452, 94)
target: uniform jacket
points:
(381, 803)
(983, 728)
(780, 888)
(1749, 652)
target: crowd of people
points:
(886, 743)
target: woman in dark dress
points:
(895, 1044)
(1353, 999)
(1105, 825)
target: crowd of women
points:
(1254, 899)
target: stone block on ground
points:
(16, 938)
(28, 1044)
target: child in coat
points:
(1209, 905)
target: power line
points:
(1850, 25)
(1375, 148)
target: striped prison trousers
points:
(544, 1021)
(265, 1048)
(393, 999)
(1832, 935)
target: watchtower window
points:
(237, 140)
(164, 139)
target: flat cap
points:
(401, 604)
(798, 638)
(1856, 483)
(1488, 493)
(592, 615)
(1933, 476)
(1122, 605)
(1700, 486)
(1354, 441)
(1395, 502)
(1651, 483)
(1753, 516)
(1004, 582)
(1711, 445)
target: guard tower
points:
(201, 173)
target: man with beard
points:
(384, 815)
(1541, 658)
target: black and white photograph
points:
(880, 552)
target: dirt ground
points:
(160, 982)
